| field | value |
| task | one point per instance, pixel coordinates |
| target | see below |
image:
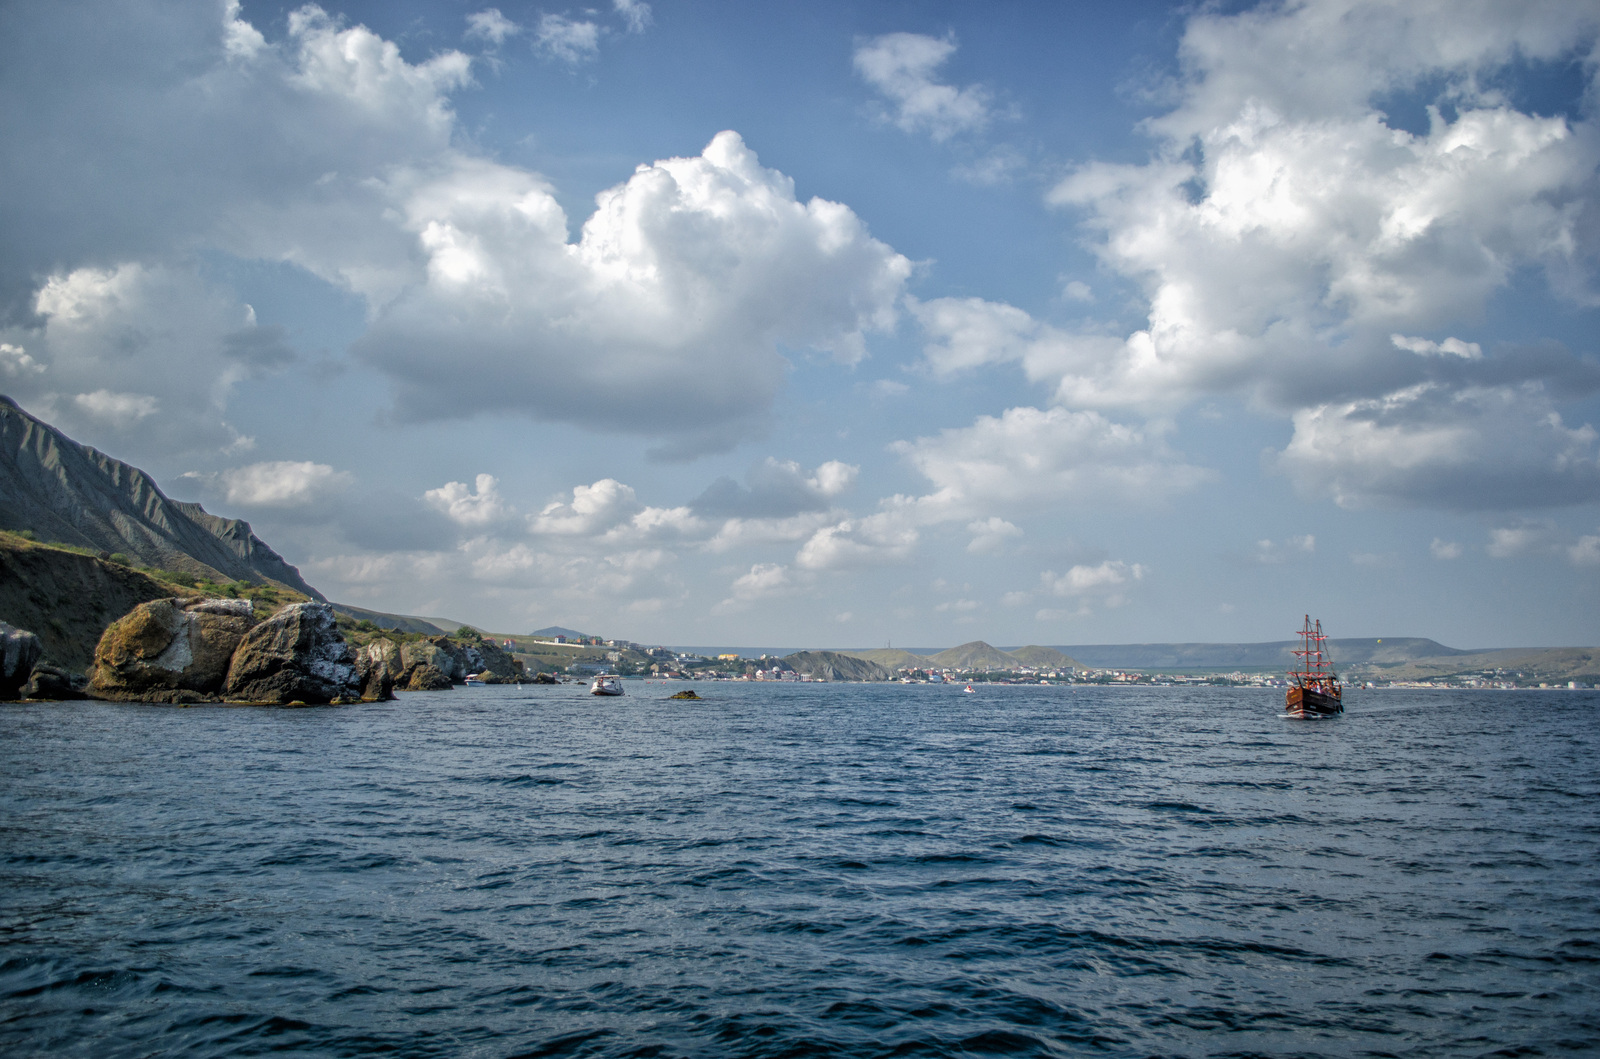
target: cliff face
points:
(67, 492)
(68, 600)
(831, 665)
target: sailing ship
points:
(1314, 689)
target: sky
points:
(837, 324)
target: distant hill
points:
(66, 492)
(976, 655)
(890, 658)
(556, 630)
(1558, 664)
(831, 665)
(1273, 655)
(1042, 657)
(402, 622)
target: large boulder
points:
(19, 650)
(51, 682)
(297, 655)
(379, 666)
(429, 653)
(492, 664)
(427, 678)
(170, 650)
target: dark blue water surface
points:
(804, 870)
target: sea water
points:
(787, 870)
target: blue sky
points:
(837, 324)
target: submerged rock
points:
(19, 650)
(170, 650)
(51, 682)
(685, 695)
(297, 655)
(428, 678)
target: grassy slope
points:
(67, 597)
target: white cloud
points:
(887, 536)
(1078, 291)
(1271, 552)
(1432, 444)
(124, 343)
(990, 535)
(491, 27)
(1450, 347)
(777, 489)
(283, 483)
(1083, 579)
(903, 67)
(570, 40)
(117, 409)
(1031, 454)
(636, 13)
(1103, 584)
(465, 507)
(764, 581)
(593, 509)
(1508, 542)
(16, 363)
(327, 150)
(683, 282)
(1443, 549)
(1290, 240)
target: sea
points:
(804, 870)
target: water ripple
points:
(804, 870)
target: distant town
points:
(582, 655)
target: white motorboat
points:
(605, 684)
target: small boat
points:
(1314, 689)
(968, 690)
(605, 684)
(474, 682)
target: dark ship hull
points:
(1312, 702)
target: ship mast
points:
(1316, 669)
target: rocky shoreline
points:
(191, 650)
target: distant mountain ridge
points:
(67, 492)
(977, 656)
(1274, 654)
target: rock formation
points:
(380, 667)
(68, 599)
(53, 683)
(297, 655)
(19, 650)
(67, 492)
(435, 653)
(170, 650)
(831, 665)
(428, 678)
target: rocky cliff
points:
(831, 665)
(66, 599)
(67, 492)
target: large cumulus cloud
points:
(150, 142)
(1294, 242)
